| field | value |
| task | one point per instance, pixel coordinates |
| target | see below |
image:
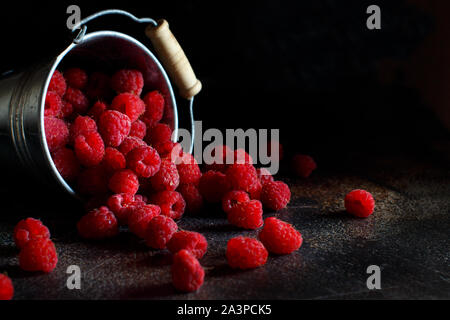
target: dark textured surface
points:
(408, 237)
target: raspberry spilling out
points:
(223, 156)
(160, 230)
(67, 163)
(6, 288)
(233, 198)
(144, 160)
(246, 215)
(130, 143)
(280, 237)
(264, 175)
(129, 81)
(187, 273)
(275, 195)
(138, 129)
(193, 242)
(124, 181)
(29, 229)
(213, 185)
(122, 204)
(158, 134)
(303, 165)
(129, 104)
(76, 78)
(166, 178)
(246, 253)
(89, 148)
(171, 203)
(114, 159)
(243, 177)
(57, 83)
(98, 224)
(192, 197)
(359, 203)
(140, 217)
(38, 255)
(154, 111)
(114, 127)
(188, 170)
(53, 104)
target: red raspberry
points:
(6, 288)
(96, 110)
(280, 237)
(171, 203)
(158, 134)
(138, 129)
(129, 144)
(275, 195)
(124, 181)
(78, 100)
(114, 159)
(89, 148)
(246, 215)
(165, 148)
(359, 203)
(76, 78)
(166, 178)
(242, 157)
(243, 177)
(154, 102)
(56, 133)
(114, 127)
(246, 253)
(66, 109)
(57, 83)
(159, 231)
(29, 229)
(129, 104)
(141, 198)
(38, 255)
(189, 170)
(143, 160)
(213, 185)
(98, 86)
(264, 175)
(187, 273)
(67, 163)
(119, 203)
(233, 198)
(193, 242)
(53, 104)
(98, 224)
(192, 197)
(126, 80)
(81, 126)
(303, 165)
(224, 157)
(139, 218)
(93, 181)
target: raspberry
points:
(129, 144)
(57, 83)
(130, 81)
(124, 181)
(159, 231)
(246, 253)
(165, 148)
(187, 273)
(166, 178)
(193, 242)
(114, 127)
(89, 148)
(129, 104)
(303, 165)
(66, 109)
(95, 202)
(140, 198)
(264, 175)
(56, 133)
(96, 110)
(81, 126)
(139, 218)
(38, 255)
(171, 203)
(154, 110)
(98, 86)
(6, 288)
(113, 159)
(138, 129)
(275, 195)
(274, 145)
(213, 185)
(158, 134)
(243, 177)
(143, 160)
(67, 163)
(246, 215)
(76, 78)
(192, 197)
(280, 237)
(120, 203)
(189, 170)
(224, 156)
(242, 157)
(53, 104)
(98, 224)
(78, 100)
(233, 198)
(359, 203)
(29, 229)
(93, 181)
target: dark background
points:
(310, 68)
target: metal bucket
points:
(22, 95)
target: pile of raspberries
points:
(107, 140)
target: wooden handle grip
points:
(173, 58)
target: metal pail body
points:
(22, 98)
